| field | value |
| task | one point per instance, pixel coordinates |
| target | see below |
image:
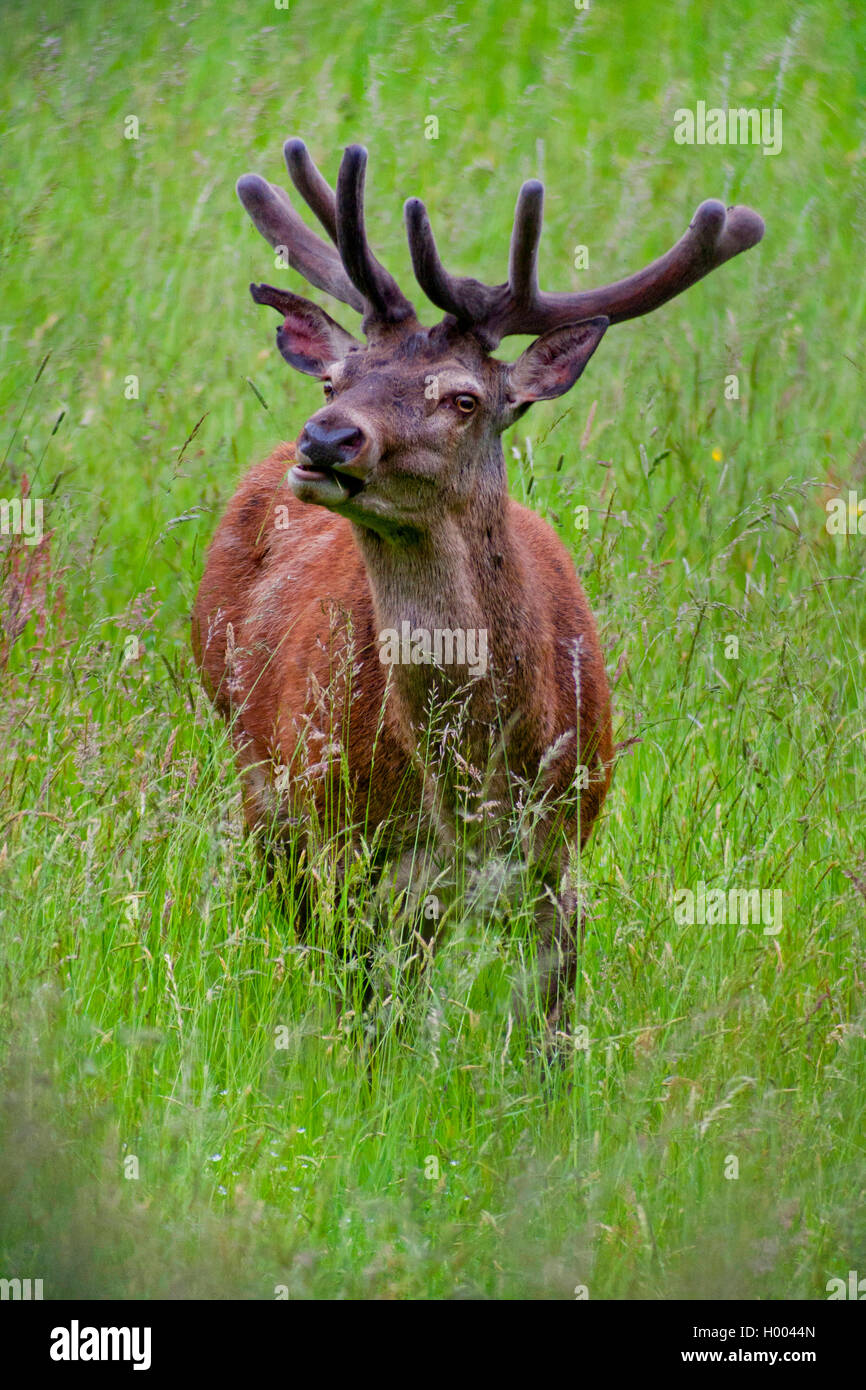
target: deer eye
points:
(465, 403)
(328, 388)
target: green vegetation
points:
(156, 1002)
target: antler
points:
(350, 273)
(493, 312)
(380, 289)
(270, 209)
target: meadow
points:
(193, 1103)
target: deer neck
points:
(460, 573)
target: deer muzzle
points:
(332, 462)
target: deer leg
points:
(559, 919)
(562, 929)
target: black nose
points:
(327, 446)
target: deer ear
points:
(551, 365)
(308, 338)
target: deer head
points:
(410, 429)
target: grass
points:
(157, 1005)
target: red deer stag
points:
(390, 515)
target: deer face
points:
(405, 429)
(411, 421)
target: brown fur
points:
(291, 593)
(286, 627)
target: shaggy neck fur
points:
(463, 571)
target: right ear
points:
(552, 364)
(308, 338)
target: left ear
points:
(551, 365)
(308, 338)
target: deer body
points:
(390, 510)
(512, 577)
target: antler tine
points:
(276, 219)
(312, 186)
(525, 236)
(385, 299)
(466, 299)
(714, 236)
(440, 287)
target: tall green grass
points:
(158, 1002)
